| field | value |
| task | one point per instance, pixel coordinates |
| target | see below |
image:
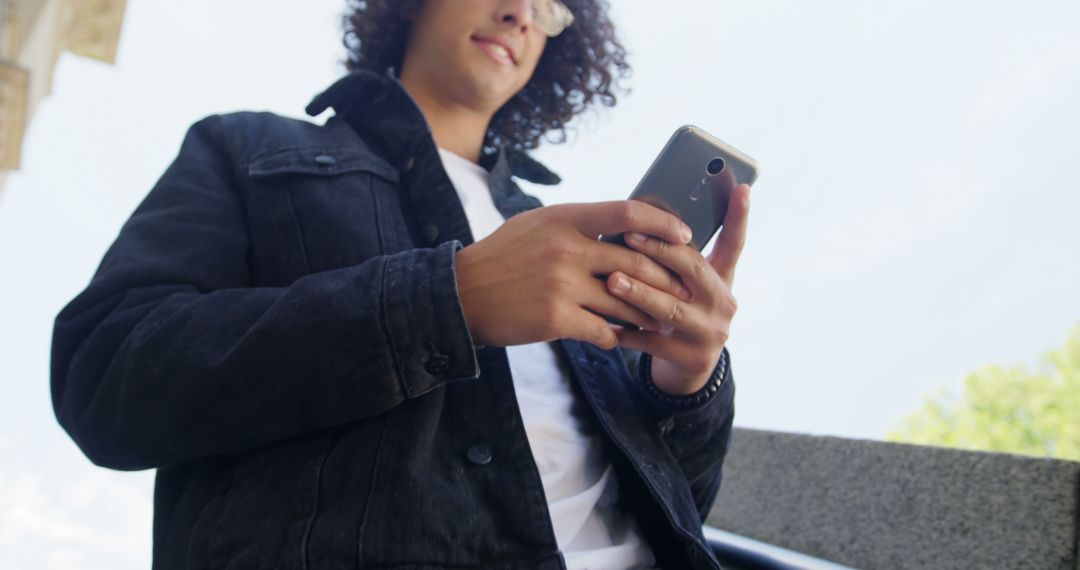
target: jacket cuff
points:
(682, 416)
(424, 320)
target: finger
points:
(605, 218)
(725, 253)
(671, 313)
(605, 258)
(694, 271)
(598, 299)
(654, 343)
(682, 354)
(592, 329)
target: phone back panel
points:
(679, 181)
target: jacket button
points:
(437, 364)
(325, 160)
(431, 233)
(480, 454)
(409, 163)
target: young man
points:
(338, 355)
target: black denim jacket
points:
(277, 330)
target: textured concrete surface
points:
(871, 504)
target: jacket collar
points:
(383, 112)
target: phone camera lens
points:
(716, 166)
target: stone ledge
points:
(872, 504)
(93, 28)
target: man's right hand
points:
(533, 278)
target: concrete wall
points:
(872, 504)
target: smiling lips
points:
(496, 51)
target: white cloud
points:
(1023, 84)
(87, 518)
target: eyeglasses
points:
(551, 16)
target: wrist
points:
(673, 382)
(469, 309)
(702, 395)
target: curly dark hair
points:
(583, 65)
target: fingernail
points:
(622, 285)
(687, 234)
(635, 238)
(666, 329)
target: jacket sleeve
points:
(697, 428)
(171, 354)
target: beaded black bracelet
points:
(690, 400)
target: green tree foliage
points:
(1009, 410)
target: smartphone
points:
(692, 177)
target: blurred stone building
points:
(33, 34)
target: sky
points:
(914, 219)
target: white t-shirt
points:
(581, 487)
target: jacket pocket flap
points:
(320, 161)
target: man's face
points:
(479, 53)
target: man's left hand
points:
(693, 330)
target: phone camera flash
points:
(699, 190)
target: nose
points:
(517, 13)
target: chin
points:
(491, 92)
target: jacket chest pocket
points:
(319, 209)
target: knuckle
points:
(560, 284)
(545, 216)
(628, 213)
(701, 268)
(550, 320)
(559, 248)
(677, 312)
(536, 213)
(561, 276)
(723, 335)
(559, 211)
